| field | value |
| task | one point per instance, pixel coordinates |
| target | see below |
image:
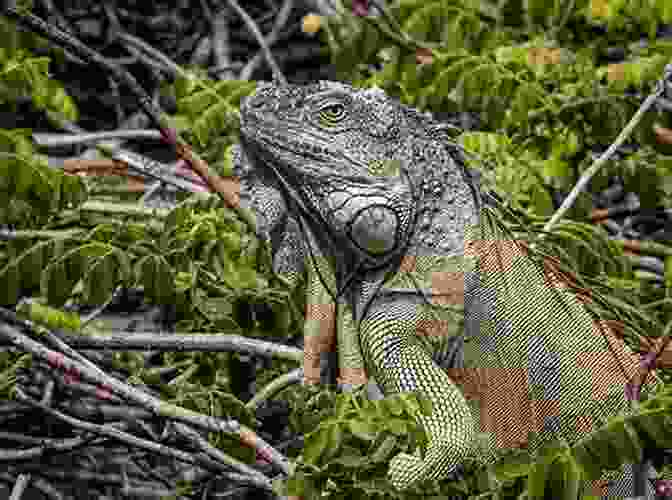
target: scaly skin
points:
(402, 234)
(261, 195)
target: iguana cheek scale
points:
(530, 365)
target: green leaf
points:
(385, 449)
(100, 280)
(299, 486)
(351, 457)
(668, 271)
(626, 439)
(369, 41)
(56, 284)
(33, 263)
(210, 106)
(335, 440)
(11, 288)
(246, 278)
(398, 426)
(555, 169)
(411, 403)
(343, 404)
(653, 426)
(448, 77)
(394, 406)
(588, 462)
(420, 23)
(539, 474)
(425, 405)
(564, 478)
(50, 317)
(365, 431)
(315, 445)
(156, 275)
(513, 466)
(542, 201)
(218, 310)
(602, 446)
(527, 98)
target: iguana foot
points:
(403, 469)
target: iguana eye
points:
(332, 113)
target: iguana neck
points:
(448, 201)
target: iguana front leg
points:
(328, 326)
(319, 335)
(400, 363)
(352, 369)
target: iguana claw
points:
(403, 468)
(406, 470)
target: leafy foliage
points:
(199, 257)
(208, 114)
(544, 91)
(31, 193)
(350, 439)
(533, 72)
(21, 74)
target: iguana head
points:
(355, 163)
(326, 128)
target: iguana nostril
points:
(254, 102)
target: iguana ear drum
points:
(374, 229)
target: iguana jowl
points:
(398, 224)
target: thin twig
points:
(252, 26)
(622, 137)
(166, 62)
(226, 189)
(40, 484)
(85, 369)
(280, 22)
(256, 478)
(117, 434)
(49, 139)
(221, 48)
(142, 341)
(274, 387)
(20, 486)
(49, 445)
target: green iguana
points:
(398, 230)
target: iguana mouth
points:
(283, 156)
(282, 149)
